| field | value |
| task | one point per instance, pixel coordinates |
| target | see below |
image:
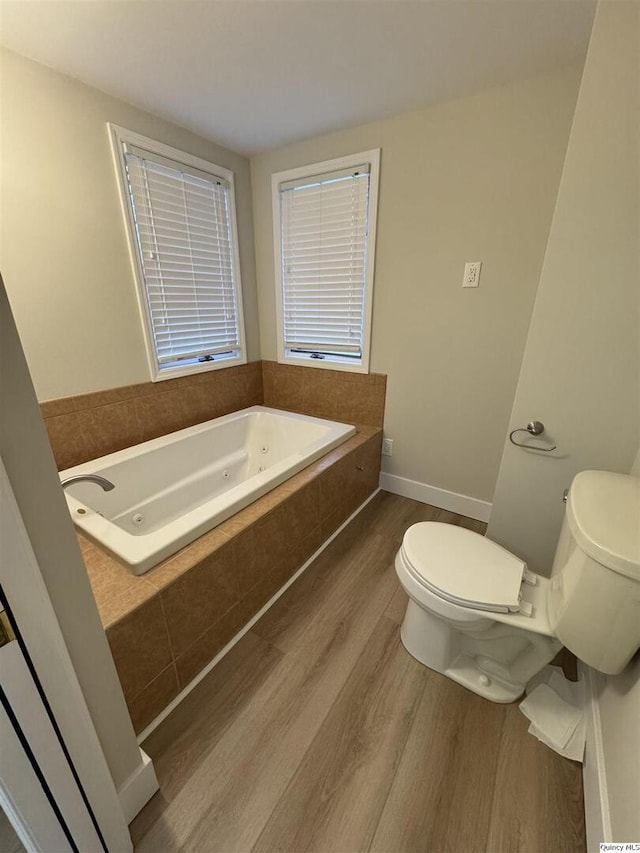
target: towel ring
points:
(533, 428)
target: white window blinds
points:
(184, 233)
(324, 233)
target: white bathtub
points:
(172, 489)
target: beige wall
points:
(473, 179)
(63, 253)
(580, 372)
(34, 480)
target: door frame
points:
(42, 643)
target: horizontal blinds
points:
(324, 248)
(183, 227)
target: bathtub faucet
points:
(107, 485)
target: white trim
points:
(27, 594)
(594, 778)
(138, 789)
(119, 137)
(433, 495)
(26, 834)
(372, 158)
(204, 672)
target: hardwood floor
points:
(319, 732)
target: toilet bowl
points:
(475, 613)
(479, 616)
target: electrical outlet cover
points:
(472, 274)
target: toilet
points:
(478, 615)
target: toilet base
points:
(464, 671)
(461, 653)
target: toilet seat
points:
(463, 567)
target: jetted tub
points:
(172, 489)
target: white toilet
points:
(477, 614)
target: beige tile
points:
(110, 580)
(298, 555)
(59, 406)
(243, 519)
(115, 608)
(194, 658)
(69, 439)
(107, 577)
(232, 391)
(366, 471)
(258, 550)
(319, 397)
(332, 485)
(300, 513)
(80, 402)
(112, 427)
(154, 698)
(199, 402)
(350, 480)
(360, 402)
(191, 555)
(330, 524)
(255, 395)
(159, 414)
(140, 646)
(286, 387)
(200, 597)
(268, 387)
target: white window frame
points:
(329, 362)
(119, 138)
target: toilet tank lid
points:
(603, 513)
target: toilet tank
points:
(594, 592)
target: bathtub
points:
(172, 489)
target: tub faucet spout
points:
(107, 485)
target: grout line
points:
(170, 665)
(166, 626)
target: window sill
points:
(327, 363)
(200, 367)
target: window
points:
(181, 223)
(324, 232)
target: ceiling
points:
(257, 74)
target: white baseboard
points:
(426, 494)
(204, 672)
(594, 779)
(138, 789)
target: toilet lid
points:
(463, 567)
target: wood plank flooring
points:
(9, 841)
(319, 732)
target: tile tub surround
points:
(165, 626)
(88, 426)
(335, 394)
